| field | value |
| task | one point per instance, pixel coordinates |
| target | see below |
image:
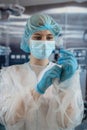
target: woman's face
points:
(43, 35)
(42, 44)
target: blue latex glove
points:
(47, 79)
(69, 64)
(2, 127)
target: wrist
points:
(35, 94)
(38, 90)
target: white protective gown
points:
(60, 108)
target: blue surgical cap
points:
(36, 23)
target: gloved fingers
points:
(54, 68)
(43, 85)
(68, 57)
(69, 63)
(49, 74)
(57, 70)
(65, 53)
(66, 62)
(53, 74)
(63, 60)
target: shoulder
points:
(14, 68)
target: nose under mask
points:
(41, 49)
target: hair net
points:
(36, 23)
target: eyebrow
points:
(37, 34)
(47, 34)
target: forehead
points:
(44, 32)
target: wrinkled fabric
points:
(35, 23)
(59, 108)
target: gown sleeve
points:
(12, 104)
(69, 106)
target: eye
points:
(49, 38)
(39, 38)
(36, 38)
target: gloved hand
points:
(47, 78)
(69, 64)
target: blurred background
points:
(70, 14)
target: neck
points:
(41, 62)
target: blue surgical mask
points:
(41, 49)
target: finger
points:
(63, 62)
(67, 59)
(55, 75)
(65, 53)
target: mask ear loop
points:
(30, 39)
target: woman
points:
(41, 95)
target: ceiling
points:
(38, 2)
